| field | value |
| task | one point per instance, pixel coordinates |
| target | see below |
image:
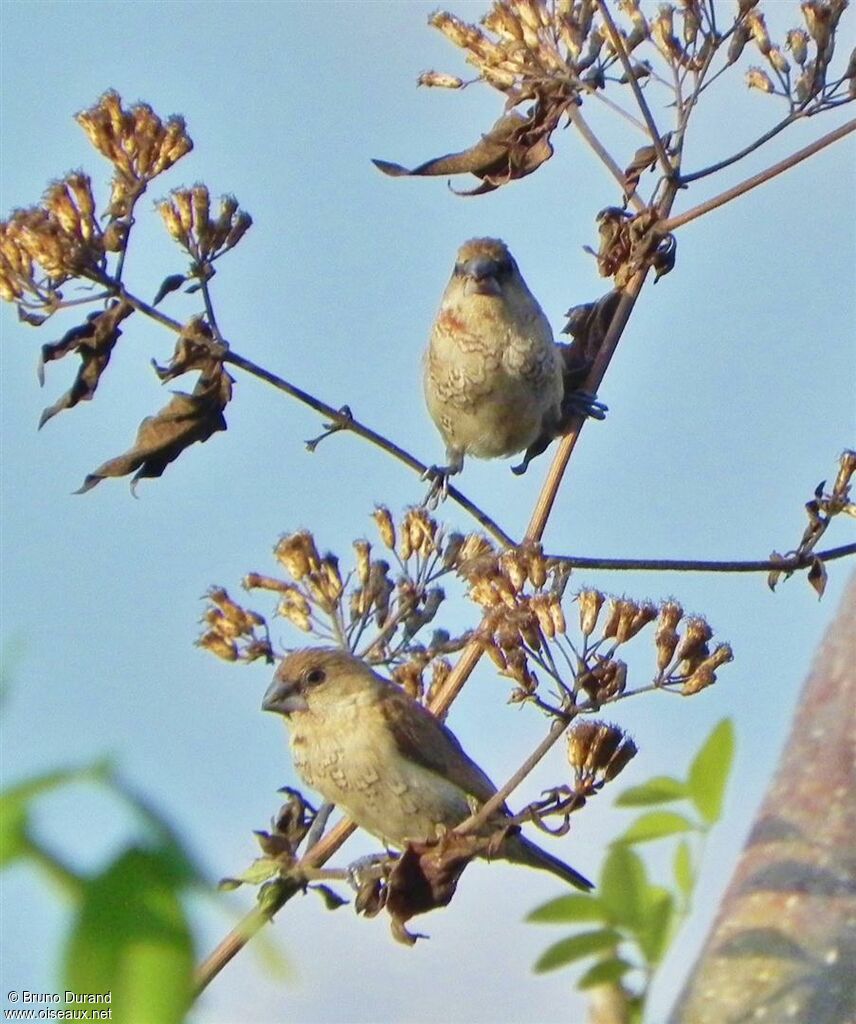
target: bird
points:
(493, 375)
(397, 771)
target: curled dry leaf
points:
(425, 877)
(186, 419)
(515, 146)
(93, 341)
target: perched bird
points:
(397, 771)
(493, 375)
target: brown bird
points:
(397, 771)
(493, 374)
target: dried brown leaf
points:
(93, 341)
(516, 145)
(186, 419)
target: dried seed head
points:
(452, 549)
(666, 642)
(297, 554)
(739, 39)
(364, 553)
(847, 460)
(409, 678)
(556, 613)
(696, 634)
(596, 748)
(703, 677)
(797, 42)
(819, 19)
(613, 615)
(385, 525)
(620, 759)
(218, 645)
(331, 579)
(440, 669)
(439, 80)
(537, 568)
(757, 78)
(778, 60)
(671, 614)
(513, 565)
(540, 606)
(754, 21)
(590, 601)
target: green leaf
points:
(259, 871)
(566, 951)
(710, 769)
(656, 825)
(624, 886)
(131, 938)
(565, 909)
(15, 809)
(683, 868)
(607, 972)
(655, 932)
(662, 789)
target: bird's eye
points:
(315, 675)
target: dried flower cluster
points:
(811, 49)
(597, 752)
(45, 245)
(821, 510)
(233, 633)
(524, 47)
(187, 216)
(380, 605)
(521, 593)
(138, 144)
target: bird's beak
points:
(282, 697)
(480, 277)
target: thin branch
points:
(345, 421)
(758, 179)
(621, 50)
(594, 142)
(786, 564)
(734, 158)
(488, 808)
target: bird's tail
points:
(520, 850)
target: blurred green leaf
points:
(660, 790)
(656, 825)
(710, 769)
(623, 886)
(683, 868)
(131, 937)
(604, 973)
(564, 909)
(15, 809)
(656, 927)
(259, 871)
(576, 947)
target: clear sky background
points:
(730, 399)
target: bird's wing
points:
(423, 739)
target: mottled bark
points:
(783, 947)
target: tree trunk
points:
(783, 947)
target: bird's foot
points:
(583, 403)
(439, 477)
(367, 869)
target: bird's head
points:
(484, 266)
(315, 677)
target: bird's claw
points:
(584, 403)
(366, 869)
(439, 489)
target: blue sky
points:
(730, 398)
